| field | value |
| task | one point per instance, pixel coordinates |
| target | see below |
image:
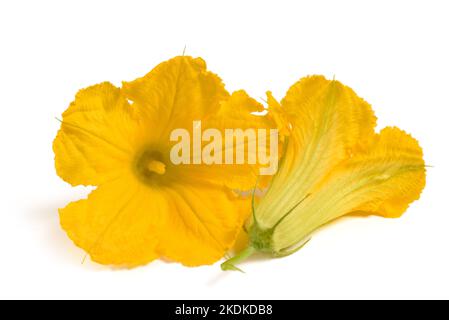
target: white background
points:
(393, 53)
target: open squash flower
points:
(334, 164)
(144, 206)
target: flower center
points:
(156, 167)
(150, 166)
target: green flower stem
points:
(229, 265)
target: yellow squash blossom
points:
(334, 164)
(144, 206)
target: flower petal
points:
(119, 223)
(390, 175)
(125, 223)
(236, 113)
(279, 115)
(382, 180)
(329, 123)
(94, 141)
(177, 92)
(201, 229)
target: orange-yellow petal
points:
(238, 114)
(94, 143)
(279, 115)
(118, 224)
(382, 180)
(200, 228)
(329, 122)
(125, 223)
(177, 92)
(397, 173)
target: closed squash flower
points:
(334, 164)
